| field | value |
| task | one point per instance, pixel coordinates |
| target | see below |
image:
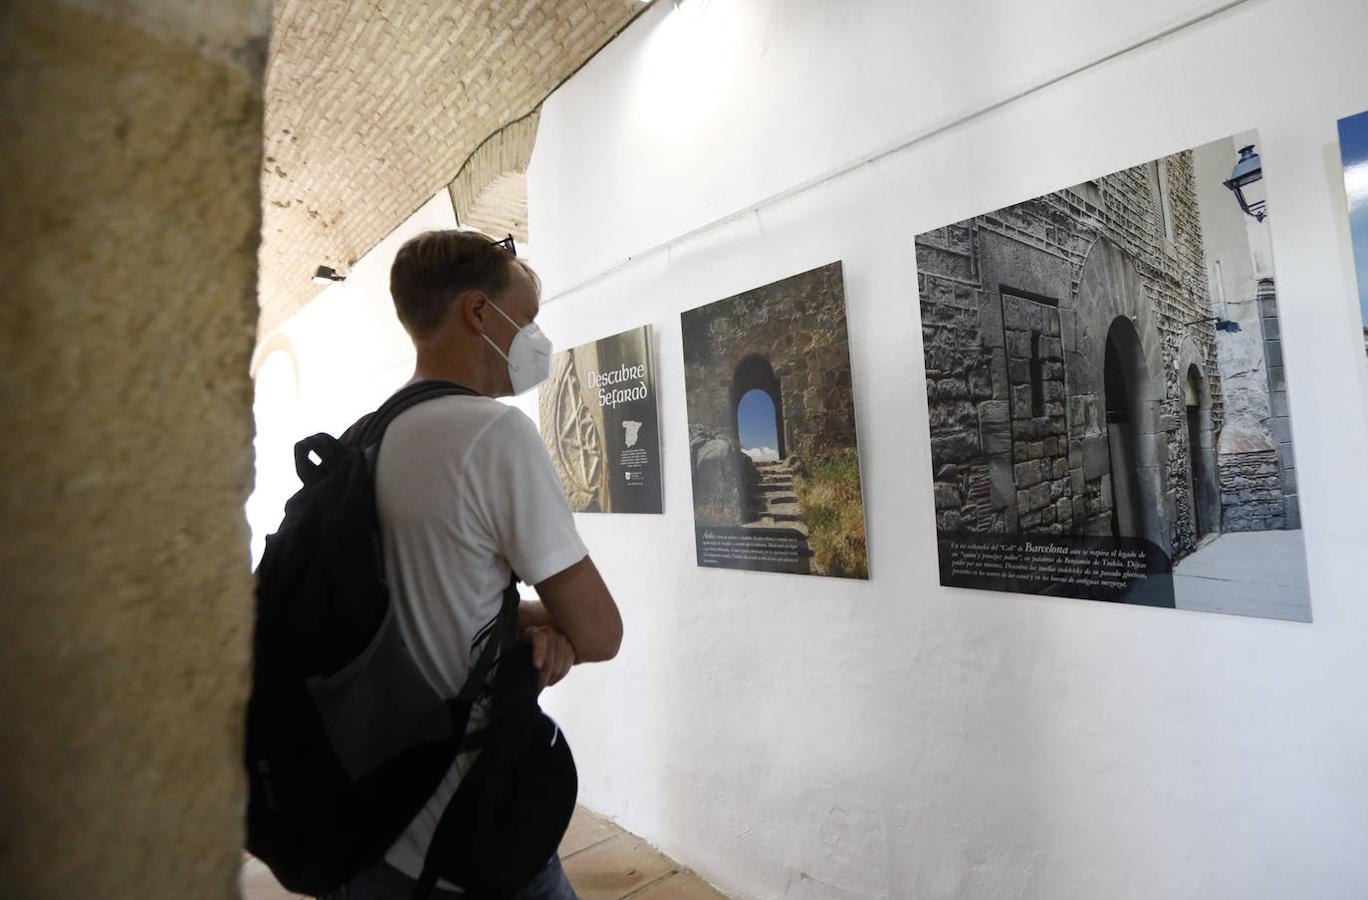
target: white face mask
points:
(528, 357)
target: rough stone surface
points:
(130, 232)
(788, 338)
(723, 478)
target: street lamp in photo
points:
(1248, 171)
(1221, 324)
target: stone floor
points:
(1256, 573)
(603, 863)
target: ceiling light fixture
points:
(327, 275)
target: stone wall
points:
(1251, 491)
(796, 329)
(131, 224)
(1016, 308)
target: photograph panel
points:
(598, 416)
(1108, 408)
(772, 442)
(1353, 134)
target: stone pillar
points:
(132, 143)
(1280, 424)
(1248, 451)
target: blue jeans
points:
(384, 882)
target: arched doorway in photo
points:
(757, 408)
(1119, 378)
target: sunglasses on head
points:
(507, 244)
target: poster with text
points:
(1108, 409)
(772, 446)
(598, 419)
(1353, 133)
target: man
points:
(466, 495)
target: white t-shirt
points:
(465, 490)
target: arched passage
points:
(1119, 378)
(754, 373)
(758, 426)
(1202, 480)
(1116, 385)
(1200, 483)
(1135, 444)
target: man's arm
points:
(576, 602)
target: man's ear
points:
(472, 305)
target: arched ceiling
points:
(372, 106)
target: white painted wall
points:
(353, 353)
(816, 738)
(349, 354)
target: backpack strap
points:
(500, 638)
(371, 428)
(503, 636)
(367, 432)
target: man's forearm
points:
(580, 607)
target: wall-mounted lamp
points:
(1248, 171)
(327, 275)
(1221, 324)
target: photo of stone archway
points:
(772, 443)
(1108, 407)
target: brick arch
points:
(490, 191)
(276, 342)
(348, 158)
(1109, 287)
(755, 372)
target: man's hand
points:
(552, 652)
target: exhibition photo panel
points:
(1108, 411)
(772, 443)
(599, 421)
(1353, 135)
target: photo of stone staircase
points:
(774, 504)
(773, 501)
(773, 449)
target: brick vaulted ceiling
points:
(373, 106)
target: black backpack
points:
(346, 739)
(511, 809)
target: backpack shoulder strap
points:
(503, 635)
(370, 428)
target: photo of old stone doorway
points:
(772, 440)
(1108, 408)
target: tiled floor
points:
(603, 862)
